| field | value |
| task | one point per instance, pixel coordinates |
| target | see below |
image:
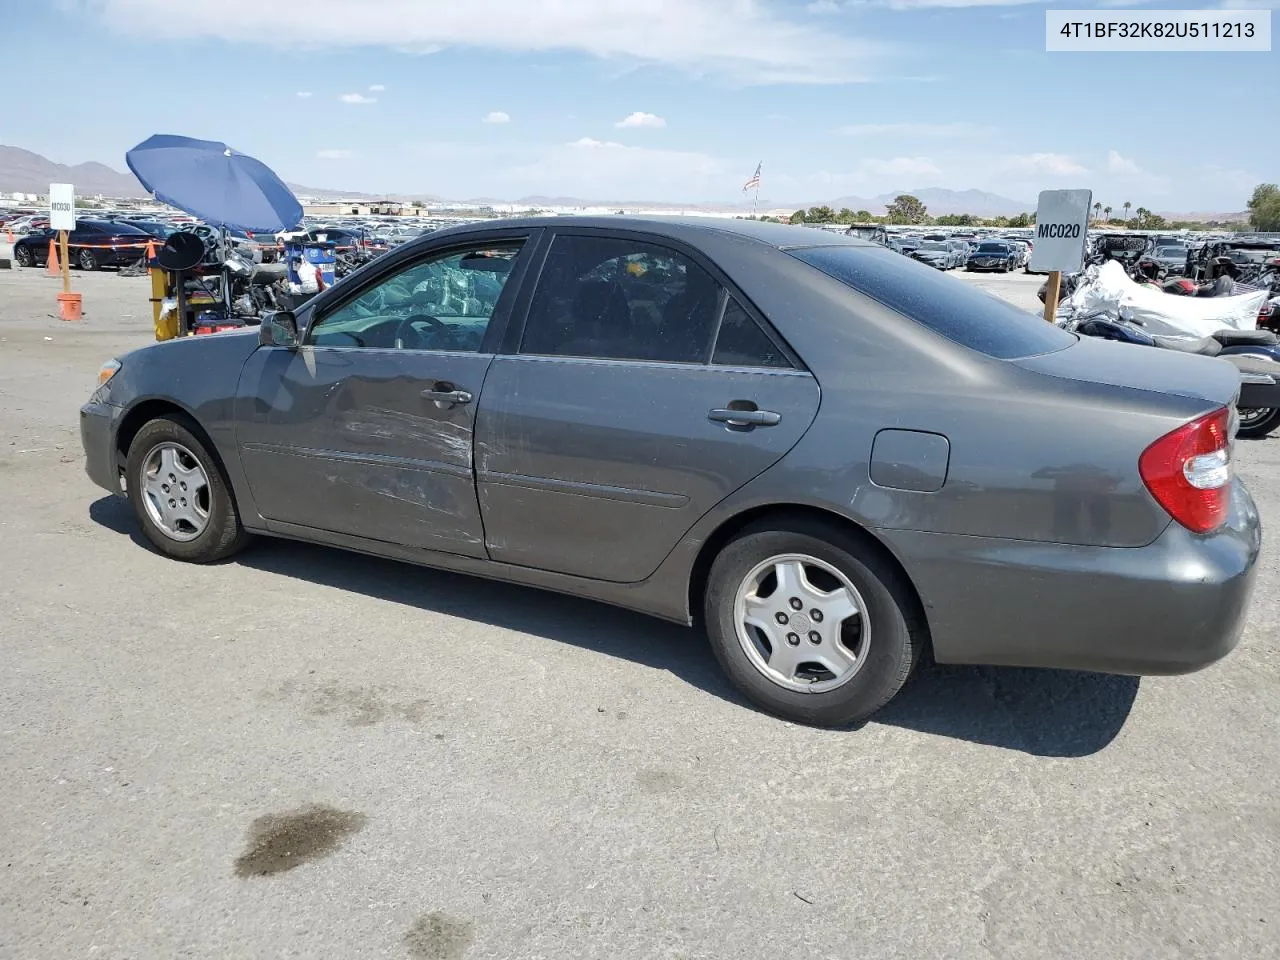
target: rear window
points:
(958, 311)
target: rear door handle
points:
(745, 418)
(447, 396)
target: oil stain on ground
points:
(438, 937)
(355, 706)
(282, 841)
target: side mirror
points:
(279, 329)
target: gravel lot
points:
(304, 753)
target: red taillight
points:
(1188, 471)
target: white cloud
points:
(641, 119)
(909, 129)
(1044, 164)
(357, 98)
(747, 41)
(496, 116)
(377, 87)
(304, 94)
(1122, 165)
(331, 153)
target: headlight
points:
(107, 371)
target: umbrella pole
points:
(181, 283)
(226, 273)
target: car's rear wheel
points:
(1257, 422)
(86, 260)
(810, 624)
(23, 257)
(180, 494)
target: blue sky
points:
(508, 98)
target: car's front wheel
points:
(87, 260)
(180, 494)
(810, 624)
(23, 257)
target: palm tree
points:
(1126, 206)
(1097, 209)
(1142, 216)
(1107, 212)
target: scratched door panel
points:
(343, 440)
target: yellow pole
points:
(66, 267)
(1051, 294)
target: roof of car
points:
(780, 235)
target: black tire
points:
(223, 535)
(898, 632)
(1260, 424)
(23, 257)
(86, 259)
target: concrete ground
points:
(306, 753)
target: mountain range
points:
(27, 172)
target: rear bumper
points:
(1174, 606)
(1258, 390)
(97, 436)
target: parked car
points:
(153, 228)
(829, 456)
(996, 255)
(92, 244)
(1171, 260)
(938, 254)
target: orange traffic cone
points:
(54, 269)
(8, 235)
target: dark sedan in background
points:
(92, 244)
(992, 255)
(831, 457)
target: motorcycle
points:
(1254, 353)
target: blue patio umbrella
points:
(209, 180)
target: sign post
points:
(1062, 223)
(62, 217)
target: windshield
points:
(933, 245)
(1170, 252)
(951, 308)
(993, 248)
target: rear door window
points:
(621, 299)
(958, 311)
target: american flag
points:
(754, 182)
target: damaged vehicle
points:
(832, 459)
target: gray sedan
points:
(833, 458)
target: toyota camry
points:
(832, 458)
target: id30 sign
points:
(1062, 222)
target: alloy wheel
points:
(802, 623)
(175, 491)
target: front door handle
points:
(745, 418)
(446, 393)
